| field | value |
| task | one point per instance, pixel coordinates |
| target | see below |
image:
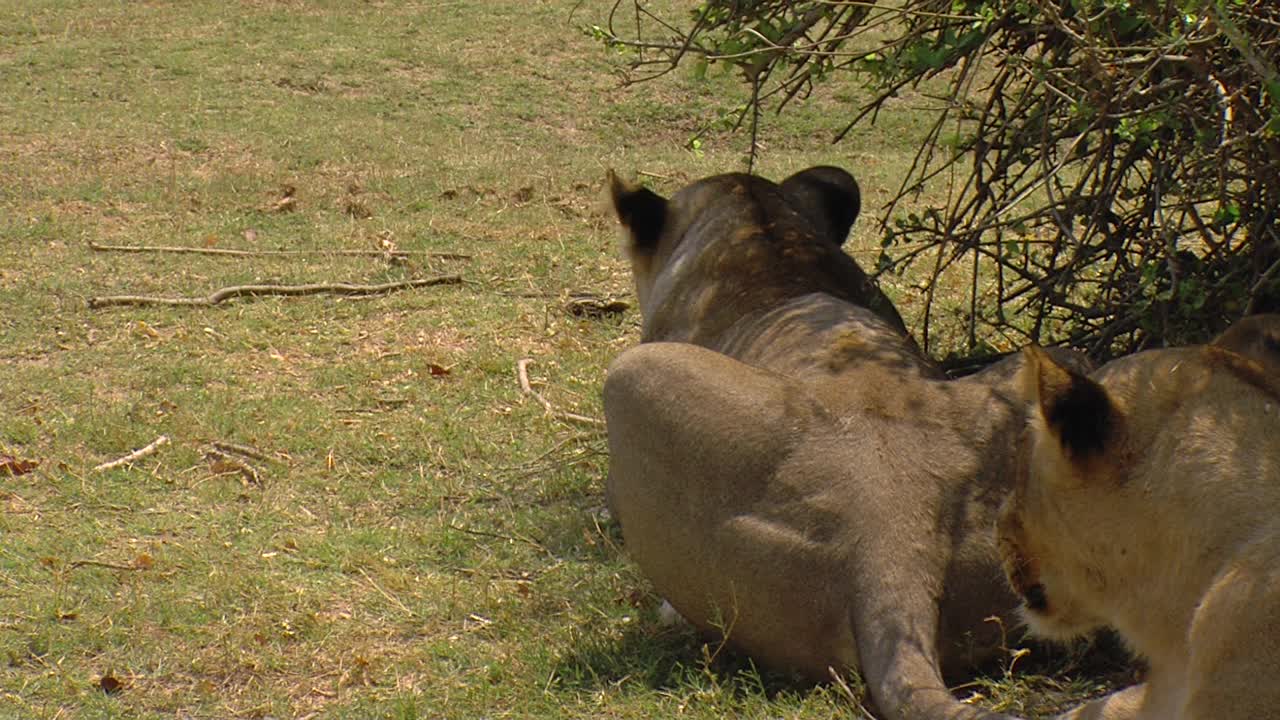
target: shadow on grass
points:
(1044, 681)
(1041, 680)
(666, 658)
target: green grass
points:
(424, 540)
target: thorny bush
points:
(1113, 165)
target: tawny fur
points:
(787, 467)
(1168, 531)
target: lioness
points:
(787, 467)
(1151, 503)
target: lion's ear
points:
(1076, 410)
(828, 197)
(640, 210)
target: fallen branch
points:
(237, 291)
(135, 455)
(245, 450)
(223, 463)
(522, 374)
(271, 253)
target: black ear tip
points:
(837, 185)
(641, 210)
(829, 191)
(1082, 415)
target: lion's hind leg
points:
(696, 442)
(687, 423)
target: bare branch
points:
(148, 449)
(1113, 182)
(176, 249)
(240, 291)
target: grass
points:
(423, 540)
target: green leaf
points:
(700, 69)
(1228, 214)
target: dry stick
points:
(236, 291)
(224, 463)
(270, 253)
(522, 373)
(101, 564)
(135, 455)
(245, 450)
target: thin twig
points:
(854, 698)
(509, 538)
(135, 455)
(272, 253)
(237, 291)
(522, 374)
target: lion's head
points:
(731, 246)
(1122, 473)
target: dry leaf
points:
(110, 685)
(250, 235)
(210, 240)
(144, 561)
(147, 330)
(10, 465)
(437, 370)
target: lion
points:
(1149, 501)
(788, 469)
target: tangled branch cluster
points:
(1115, 164)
